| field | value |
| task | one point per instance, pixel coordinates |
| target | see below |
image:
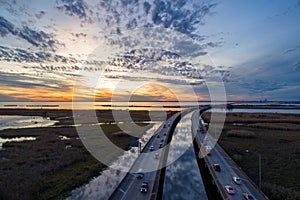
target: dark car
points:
(161, 145)
(217, 167)
(139, 175)
(248, 196)
(144, 187)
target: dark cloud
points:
(174, 15)
(178, 17)
(21, 55)
(254, 85)
(74, 7)
(164, 63)
(36, 38)
(289, 50)
(297, 65)
(27, 81)
(7, 98)
(79, 34)
(40, 14)
(6, 27)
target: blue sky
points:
(149, 50)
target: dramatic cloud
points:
(297, 65)
(27, 81)
(36, 38)
(179, 43)
(74, 7)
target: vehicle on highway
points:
(161, 145)
(156, 155)
(157, 136)
(237, 180)
(151, 148)
(230, 189)
(162, 140)
(144, 187)
(208, 149)
(139, 175)
(217, 167)
(248, 196)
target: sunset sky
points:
(149, 50)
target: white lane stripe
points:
(121, 190)
(127, 190)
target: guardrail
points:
(145, 147)
(128, 173)
(214, 189)
(213, 186)
(157, 188)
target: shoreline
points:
(46, 168)
(57, 162)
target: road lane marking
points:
(121, 190)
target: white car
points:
(237, 180)
(151, 148)
(230, 189)
(208, 150)
(156, 155)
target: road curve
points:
(229, 168)
(130, 186)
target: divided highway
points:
(147, 164)
(228, 167)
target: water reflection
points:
(281, 111)
(16, 122)
(183, 179)
(16, 139)
(102, 186)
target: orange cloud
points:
(148, 92)
(36, 93)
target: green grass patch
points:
(277, 138)
(58, 184)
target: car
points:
(156, 155)
(208, 150)
(144, 187)
(139, 175)
(248, 196)
(162, 140)
(237, 180)
(161, 145)
(217, 167)
(230, 189)
(157, 136)
(151, 148)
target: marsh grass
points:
(277, 137)
(45, 168)
(241, 133)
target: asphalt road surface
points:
(229, 168)
(148, 163)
